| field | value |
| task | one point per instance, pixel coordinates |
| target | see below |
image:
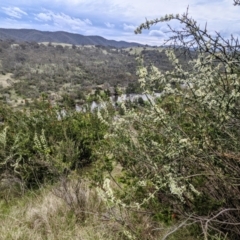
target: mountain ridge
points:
(33, 35)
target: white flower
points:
(175, 189)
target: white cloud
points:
(43, 17)
(14, 12)
(157, 33)
(129, 27)
(109, 25)
(63, 21)
(87, 21)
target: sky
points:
(117, 19)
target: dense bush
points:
(40, 143)
(180, 155)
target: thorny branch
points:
(191, 39)
(236, 2)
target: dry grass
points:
(138, 50)
(5, 80)
(67, 45)
(72, 210)
(39, 217)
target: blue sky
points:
(117, 19)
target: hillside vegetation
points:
(60, 71)
(166, 168)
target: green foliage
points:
(180, 154)
(38, 145)
(68, 101)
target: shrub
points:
(39, 144)
(180, 155)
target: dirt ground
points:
(4, 78)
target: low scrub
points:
(39, 144)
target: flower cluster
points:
(40, 143)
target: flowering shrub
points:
(181, 152)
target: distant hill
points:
(30, 35)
